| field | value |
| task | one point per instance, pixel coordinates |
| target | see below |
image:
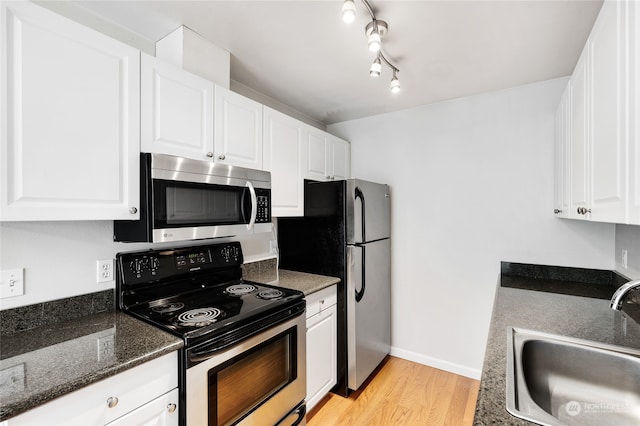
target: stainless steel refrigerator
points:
(346, 233)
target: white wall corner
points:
(440, 364)
(194, 53)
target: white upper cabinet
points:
(634, 113)
(327, 157)
(283, 157)
(238, 130)
(176, 111)
(604, 159)
(562, 190)
(316, 154)
(70, 119)
(578, 149)
(607, 116)
(339, 162)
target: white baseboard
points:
(440, 364)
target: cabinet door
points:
(561, 190)
(176, 111)
(579, 144)
(607, 129)
(70, 120)
(162, 411)
(238, 130)
(283, 156)
(316, 154)
(321, 354)
(634, 112)
(340, 158)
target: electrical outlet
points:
(12, 283)
(106, 347)
(624, 258)
(105, 271)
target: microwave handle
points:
(254, 206)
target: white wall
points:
(628, 238)
(472, 185)
(60, 257)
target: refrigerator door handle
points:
(360, 294)
(359, 194)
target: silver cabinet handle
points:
(557, 211)
(221, 157)
(210, 154)
(171, 407)
(583, 210)
(133, 210)
(112, 401)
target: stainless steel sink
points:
(555, 380)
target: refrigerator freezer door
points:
(372, 224)
(368, 309)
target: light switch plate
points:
(11, 283)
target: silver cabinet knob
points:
(112, 401)
(133, 210)
(171, 407)
(210, 154)
(222, 156)
(557, 211)
(583, 210)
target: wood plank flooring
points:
(402, 392)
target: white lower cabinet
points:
(321, 344)
(143, 395)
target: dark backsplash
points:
(41, 314)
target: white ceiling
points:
(302, 54)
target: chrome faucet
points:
(616, 299)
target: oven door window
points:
(178, 204)
(243, 383)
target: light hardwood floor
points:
(402, 393)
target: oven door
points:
(258, 381)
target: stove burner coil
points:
(199, 317)
(270, 294)
(240, 289)
(167, 308)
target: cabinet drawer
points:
(161, 411)
(321, 300)
(89, 405)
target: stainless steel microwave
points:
(183, 199)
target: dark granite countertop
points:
(51, 360)
(541, 303)
(302, 281)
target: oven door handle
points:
(254, 206)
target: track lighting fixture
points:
(375, 31)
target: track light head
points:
(348, 11)
(375, 30)
(395, 83)
(376, 67)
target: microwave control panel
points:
(263, 213)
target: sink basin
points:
(556, 380)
